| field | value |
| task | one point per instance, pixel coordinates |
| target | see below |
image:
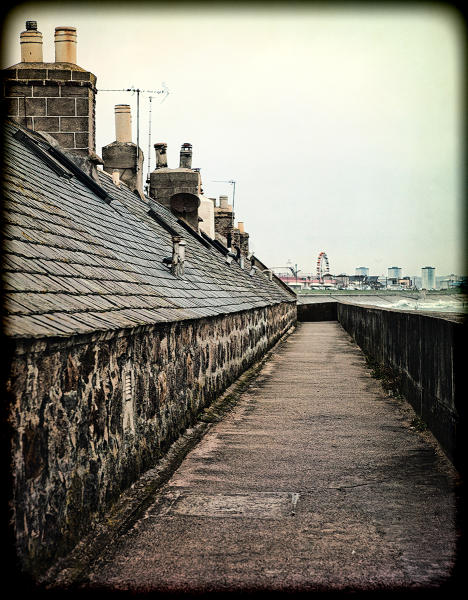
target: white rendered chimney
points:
(65, 45)
(31, 43)
(123, 123)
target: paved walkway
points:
(315, 481)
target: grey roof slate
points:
(75, 264)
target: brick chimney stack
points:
(243, 239)
(123, 155)
(224, 221)
(166, 182)
(56, 98)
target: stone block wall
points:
(426, 355)
(60, 102)
(90, 414)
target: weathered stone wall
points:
(90, 414)
(425, 354)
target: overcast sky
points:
(342, 128)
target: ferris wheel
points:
(323, 266)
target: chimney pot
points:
(31, 43)
(65, 44)
(161, 155)
(123, 123)
(186, 156)
(223, 201)
(240, 226)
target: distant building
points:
(428, 280)
(342, 280)
(405, 282)
(394, 273)
(357, 281)
(362, 271)
(374, 283)
(447, 282)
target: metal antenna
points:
(132, 89)
(233, 183)
(149, 137)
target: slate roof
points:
(76, 260)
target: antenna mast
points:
(233, 183)
(149, 137)
(132, 89)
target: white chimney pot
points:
(65, 45)
(123, 123)
(31, 43)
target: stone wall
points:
(425, 355)
(90, 414)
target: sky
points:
(342, 127)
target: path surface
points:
(315, 481)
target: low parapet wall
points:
(425, 354)
(317, 311)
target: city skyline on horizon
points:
(404, 272)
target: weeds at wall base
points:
(390, 379)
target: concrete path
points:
(315, 481)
